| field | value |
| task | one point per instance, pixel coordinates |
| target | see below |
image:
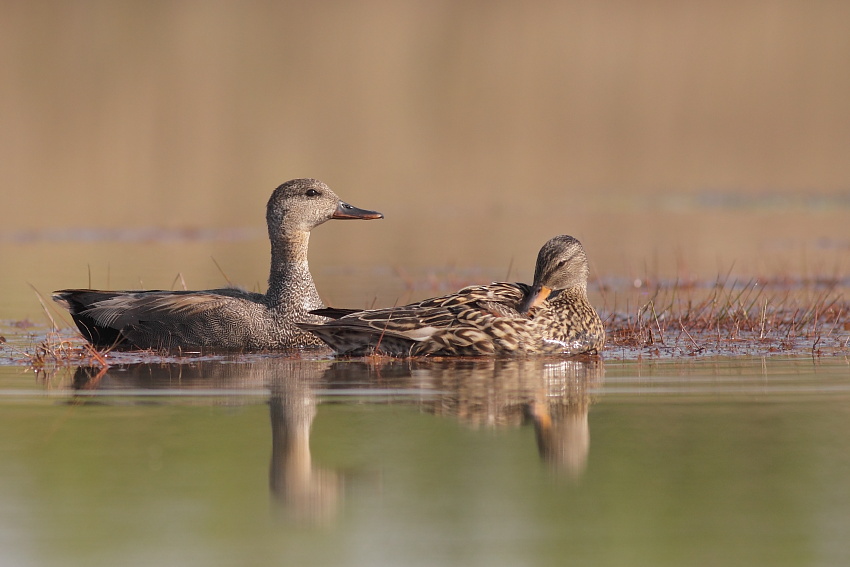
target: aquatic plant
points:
(759, 316)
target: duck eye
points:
(311, 193)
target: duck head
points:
(561, 264)
(300, 205)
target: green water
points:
(275, 461)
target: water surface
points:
(302, 459)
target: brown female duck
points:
(226, 318)
(552, 316)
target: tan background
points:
(675, 139)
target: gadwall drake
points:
(552, 316)
(226, 318)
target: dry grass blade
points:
(229, 283)
(44, 306)
(53, 349)
(742, 317)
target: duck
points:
(229, 318)
(551, 316)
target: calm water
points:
(305, 460)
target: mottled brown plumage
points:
(551, 316)
(229, 318)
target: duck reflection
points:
(553, 394)
(303, 492)
(561, 416)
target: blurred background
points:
(684, 140)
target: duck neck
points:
(570, 295)
(291, 286)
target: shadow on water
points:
(553, 395)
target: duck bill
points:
(345, 211)
(535, 297)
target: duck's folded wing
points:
(333, 312)
(418, 321)
(124, 311)
(415, 324)
(507, 295)
(456, 322)
(118, 310)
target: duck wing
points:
(418, 320)
(464, 318)
(146, 318)
(503, 297)
(333, 312)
